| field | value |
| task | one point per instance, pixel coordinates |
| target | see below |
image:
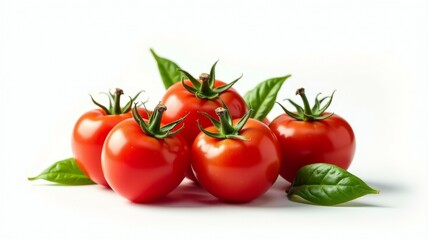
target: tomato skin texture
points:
(327, 141)
(142, 168)
(180, 102)
(88, 137)
(235, 170)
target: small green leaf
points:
(64, 172)
(262, 98)
(168, 70)
(327, 184)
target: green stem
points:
(155, 124)
(307, 107)
(226, 127)
(117, 109)
(205, 89)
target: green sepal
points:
(308, 113)
(204, 88)
(153, 126)
(289, 113)
(211, 134)
(242, 121)
(299, 109)
(168, 127)
(223, 88)
(323, 109)
(110, 97)
(319, 118)
(106, 110)
(128, 105)
(114, 103)
(225, 126)
(193, 80)
(317, 103)
(213, 120)
(212, 75)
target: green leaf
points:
(262, 98)
(327, 184)
(168, 70)
(64, 172)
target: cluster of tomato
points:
(203, 129)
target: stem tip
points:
(204, 77)
(300, 91)
(119, 91)
(161, 108)
(220, 111)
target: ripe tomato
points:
(143, 161)
(239, 163)
(313, 136)
(204, 95)
(181, 102)
(89, 134)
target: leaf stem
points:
(226, 127)
(116, 99)
(153, 127)
(155, 124)
(205, 89)
(306, 105)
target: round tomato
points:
(181, 102)
(192, 96)
(90, 131)
(312, 136)
(142, 161)
(236, 163)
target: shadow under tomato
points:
(186, 195)
(191, 195)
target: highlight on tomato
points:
(235, 160)
(91, 129)
(144, 160)
(205, 94)
(312, 135)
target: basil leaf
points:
(168, 70)
(262, 98)
(327, 184)
(64, 172)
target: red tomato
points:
(88, 137)
(237, 170)
(180, 102)
(330, 140)
(141, 167)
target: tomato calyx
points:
(225, 126)
(153, 126)
(204, 87)
(308, 113)
(114, 102)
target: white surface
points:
(54, 53)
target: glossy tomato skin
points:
(88, 137)
(180, 102)
(142, 168)
(236, 170)
(327, 141)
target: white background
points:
(54, 53)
